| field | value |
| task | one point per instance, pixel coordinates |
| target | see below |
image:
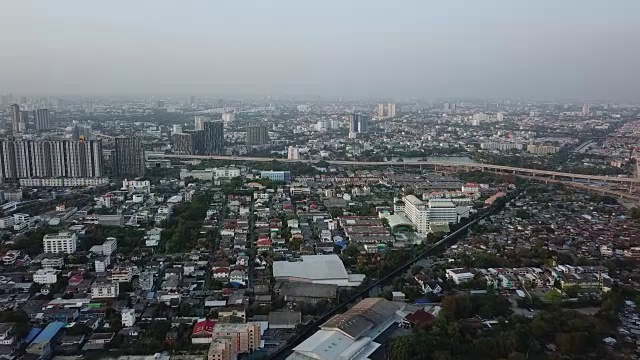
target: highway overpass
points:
(468, 165)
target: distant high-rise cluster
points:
(386, 110)
(50, 159)
(206, 139)
(20, 119)
(358, 124)
(129, 157)
(257, 135)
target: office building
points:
(160, 104)
(257, 135)
(422, 215)
(63, 242)
(50, 159)
(183, 143)
(228, 117)
(199, 122)
(213, 138)
(585, 110)
(129, 159)
(500, 116)
(357, 124)
(15, 117)
(276, 175)
(177, 128)
(292, 153)
(42, 119)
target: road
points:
(472, 166)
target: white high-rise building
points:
(500, 116)
(292, 153)
(63, 242)
(386, 110)
(585, 110)
(228, 117)
(177, 129)
(199, 122)
(391, 110)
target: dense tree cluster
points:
(182, 229)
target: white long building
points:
(63, 242)
(423, 214)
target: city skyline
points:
(577, 50)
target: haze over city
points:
(579, 50)
(319, 180)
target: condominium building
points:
(129, 157)
(501, 146)
(244, 337)
(41, 118)
(63, 242)
(46, 276)
(292, 153)
(183, 143)
(50, 159)
(542, 149)
(221, 348)
(257, 135)
(101, 289)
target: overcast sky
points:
(527, 49)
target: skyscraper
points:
(199, 122)
(213, 137)
(500, 116)
(42, 119)
(585, 110)
(15, 117)
(257, 135)
(23, 121)
(129, 159)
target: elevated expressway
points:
(469, 165)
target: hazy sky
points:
(540, 49)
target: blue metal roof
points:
(49, 332)
(32, 335)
